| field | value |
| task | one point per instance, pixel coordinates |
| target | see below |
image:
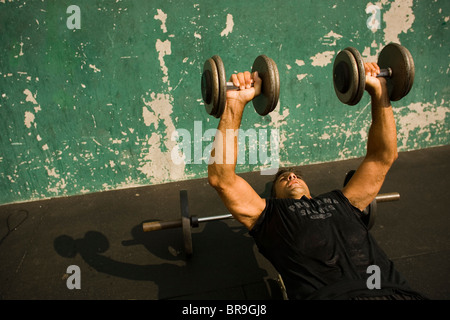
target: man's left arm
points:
(365, 184)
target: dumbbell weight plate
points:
(222, 86)
(345, 77)
(186, 223)
(268, 99)
(399, 59)
(412, 71)
(210, 86)
(361, 75)
(277, 85)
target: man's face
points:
(290, 186)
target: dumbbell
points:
(214, 85)
(349, 78)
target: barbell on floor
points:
(187, 222)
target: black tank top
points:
(322, 249)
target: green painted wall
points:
(94, 109)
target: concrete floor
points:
(101, 233)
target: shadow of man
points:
(223, 258)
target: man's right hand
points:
(246, 92)
(376, 87)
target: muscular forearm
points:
(223, 160)
(382, 140)
(222, 165)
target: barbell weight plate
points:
(267, 100)
(345, 77)
(222, 86)
(186, 223)
(210, 86)
(361, 75)
(400, 61)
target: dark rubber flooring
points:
(101, 234)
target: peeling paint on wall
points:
(399, 19)
(229, 28)
(322, 59)
(95, 109)
(422, 119)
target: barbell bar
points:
(187, 222)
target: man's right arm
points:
(238, 196)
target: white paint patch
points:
(59, 186)
(197, 35)
(370, 55)
(300, 77)
(162, 17)
(330, 38)
(156, 164)
(278, 120)
(424, 117)
(300, 63)
(30, 97)
(94, 68)
(398, 19)
(29, 118)
(149, 117)
(163, 49)
(229, 27)
(325, 136)
(45, 147)
(52, 172)
(322, 59)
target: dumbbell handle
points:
(231, 86)
(386, 73)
